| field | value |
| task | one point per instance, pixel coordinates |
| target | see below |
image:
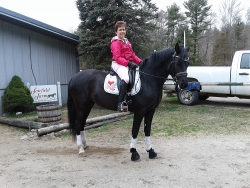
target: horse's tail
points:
(71, 114)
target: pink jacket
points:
(123, 52)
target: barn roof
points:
(35, 25)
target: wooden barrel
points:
(48, 113)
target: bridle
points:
(175, 76)
(179, 74)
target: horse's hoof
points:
(135, 155)
(85, 145)
(152, 154)
(81, 150)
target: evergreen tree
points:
(97, 28)
(198, 16)
(239, 27)
(17, 97)
(221, 55)
(175, 21)
(230, 40)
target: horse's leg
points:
(83, 137)
(81, 141)
(80, 132)
(147, 129)
(135, 130)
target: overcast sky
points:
(63, 14)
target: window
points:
(245, 61)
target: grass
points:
(33, 113)
(32, 116)
(172, 119)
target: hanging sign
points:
(43, 93)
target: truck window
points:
(245, 61)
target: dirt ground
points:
(48, 161)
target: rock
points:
(25, 137)
(18, 113)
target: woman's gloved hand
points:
(132, 65)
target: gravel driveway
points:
(183, 162)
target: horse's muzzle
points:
(181, 79)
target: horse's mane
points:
(158, 56)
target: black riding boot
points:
(122, 105)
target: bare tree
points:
(231, 26)
(230, 12)
(159, 34)
(246, 31)
(206, 43)
(248, 16)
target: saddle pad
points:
(111, 85)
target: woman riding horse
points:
(123, 57)
(86, 88)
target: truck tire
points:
(187, 97)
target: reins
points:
(160, 77)
(174, 77)
(153, 75)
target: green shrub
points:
(17, 97)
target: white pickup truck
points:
(218, 81)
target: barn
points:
(38, 53)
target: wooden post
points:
(22, 124)
(59, 93)
(89, 123)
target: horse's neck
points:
(159, 72)
(156, 69)
(152, 79)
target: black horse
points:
(86, 88)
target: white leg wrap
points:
(147, 143)
(133, 143)
(78, 140)
(79, 144)
(83, 135)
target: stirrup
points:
(122, 107)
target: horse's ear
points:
(177, 48)
(188, 49)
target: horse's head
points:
(180, 64)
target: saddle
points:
(112, 82)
